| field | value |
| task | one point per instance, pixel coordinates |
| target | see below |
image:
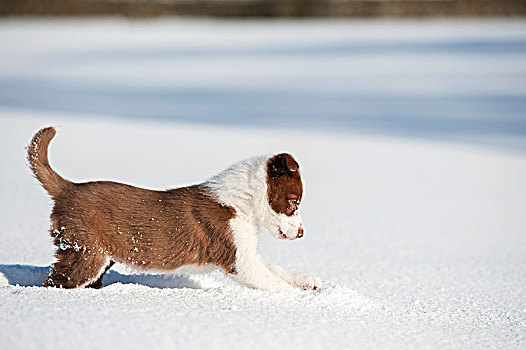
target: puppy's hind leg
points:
(98, 283)
(77, 268)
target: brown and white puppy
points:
(197, 228)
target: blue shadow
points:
(444, 116)
(34, 276)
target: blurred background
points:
(436, 69)
(266, 8)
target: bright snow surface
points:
(410, 136)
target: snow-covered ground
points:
(411, 136)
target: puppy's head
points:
(284, 195)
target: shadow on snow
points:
(34, 276)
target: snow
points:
(410, 135)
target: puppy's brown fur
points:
(97, 223)
(284, 184)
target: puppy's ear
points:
(282, 164)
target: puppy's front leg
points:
(250, 270)
(298, 280)
(254, 273)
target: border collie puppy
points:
(196, 228)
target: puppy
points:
(197, 228)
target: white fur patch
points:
(244, 188)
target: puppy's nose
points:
(300, 232)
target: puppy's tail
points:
(52, 182)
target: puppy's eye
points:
(293, 205)
(295, 201)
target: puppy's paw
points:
(305, 282)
